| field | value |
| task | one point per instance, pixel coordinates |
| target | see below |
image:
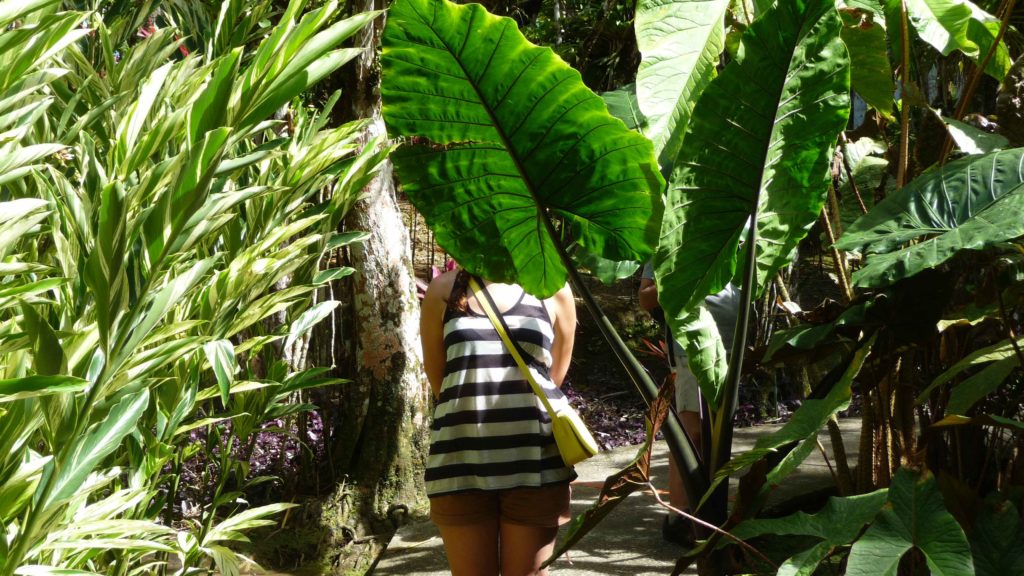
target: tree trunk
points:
(380, 433)
(384, 445)
(386, 413)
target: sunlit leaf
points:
(769, 149)
(507, 137)
(680, 41)
(914, 517)
(30, 386)
(967, 204)
(971, 140)
(221, 355)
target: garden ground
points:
(628, 542)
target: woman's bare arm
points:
(648, 294)
(432, 329)
(563, 312)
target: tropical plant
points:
(762, 158)
(503, 153)
(162, 238)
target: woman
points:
(498, 488)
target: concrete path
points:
(628, 541)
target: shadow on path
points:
(628, 541)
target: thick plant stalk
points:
(837, 257)
(865, 452)
(849, 173)
(903, 417)
(901, 174)
(843, 476)
(722, 426)
(695, 476)
(883, 452)
(833, 202)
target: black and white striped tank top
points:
(490, 431)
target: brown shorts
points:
(547, 506)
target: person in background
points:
(498, 487)
(723, 307)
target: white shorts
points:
(687, 390)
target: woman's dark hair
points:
(459, 299)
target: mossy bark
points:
(379, 445)
(383, 451)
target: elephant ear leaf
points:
(505, 136)
(760, 140)
(680, 41)
(915, 517)
(971, 203)
(837, 524)
(623, 104)
(950, 25)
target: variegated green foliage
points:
(154, 219)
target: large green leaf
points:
(680, 41)
(972, 140)
(960, 25)
(506, 135)
(973, 389)
(607, 271)
(705, 352)
(993, 353)
(969, 204)
(31, 386)
(914, 517)
(997, 540)
(937, 201)
(622, 104)
(870, 72)
(760, 137)
(837, 524)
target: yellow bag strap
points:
(499, 324)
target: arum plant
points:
(497, 153)
(503, 138)
(782, 133)
(142, 259)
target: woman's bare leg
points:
(524, 548)
(472, 549)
